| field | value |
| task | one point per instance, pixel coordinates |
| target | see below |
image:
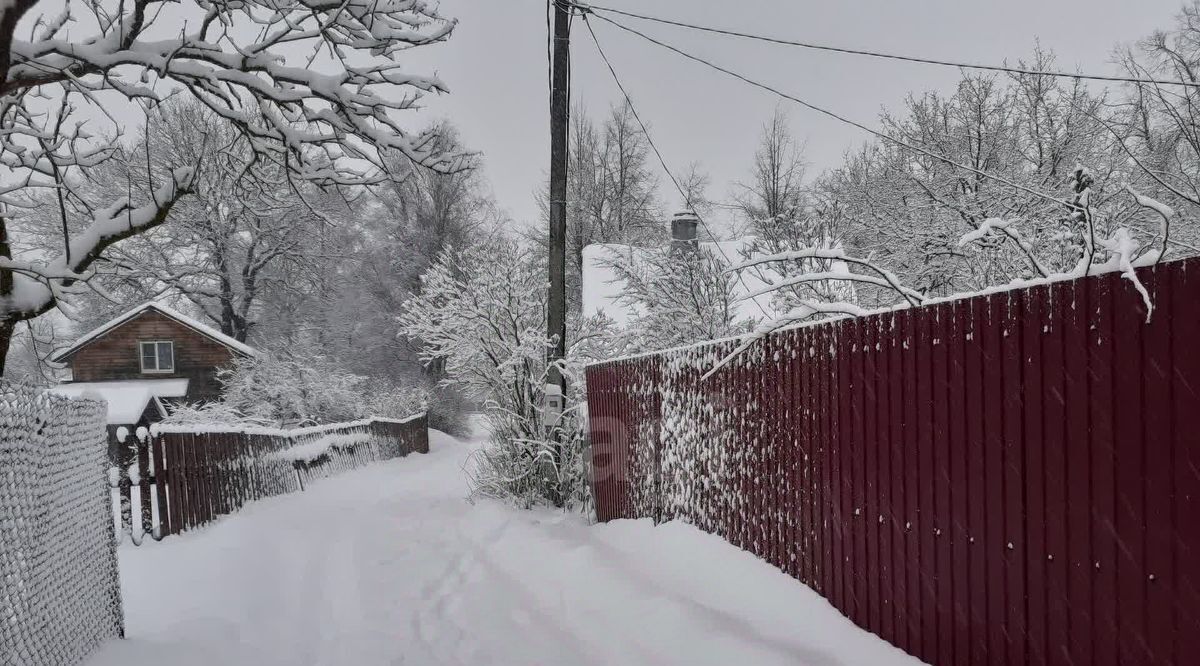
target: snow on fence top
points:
(313, 450)
(199, 472)
(214, 428)
(1114, 266)
(58, 564)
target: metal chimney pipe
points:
(684, 227)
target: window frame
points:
(156, 370)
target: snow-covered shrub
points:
(481, 312)
(216, 412)
(299, 389)
(524, 465)
(292, 389)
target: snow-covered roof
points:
(126, 398)
(201, 328)
(603, 288)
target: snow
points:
(195, 428)
(193, 324)
(1124, 249)
(391, 565)
(983, 229)
(1153, 204)
(309, 452)
(126, 399)
(29, 294)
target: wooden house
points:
(146, 359)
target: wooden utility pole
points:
(560, 101)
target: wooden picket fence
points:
(173, 480)
(1012, 478)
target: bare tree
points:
(773, 200)
(226, 245)
(611, 190)
(1029, 185)
(313, 87)
(680, 295)
(782, 215)
(695, 183)
(1155, 126)
(1021, 139)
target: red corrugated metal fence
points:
(1004, 479)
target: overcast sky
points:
(495, 65)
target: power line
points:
(886, 56)
(586, 10)
(836, 116)
(650, 140)
(900, 142)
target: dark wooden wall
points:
(115, 355)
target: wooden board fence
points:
(172, 481)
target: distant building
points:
(145, 360)
(603, 289)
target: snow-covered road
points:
(390, 565)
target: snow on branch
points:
(806, 310)
(821, 276)
(315, 88)
(885, 277)
(982, 231)
(1118, 252)
(36, 287)
(1124, 252)
(1164, 211)
(1007, 229)
(304, 73)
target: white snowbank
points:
(390, 565)
(126, 399)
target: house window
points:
(158, 356)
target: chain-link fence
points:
(59, 590)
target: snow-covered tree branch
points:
(314, 88)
